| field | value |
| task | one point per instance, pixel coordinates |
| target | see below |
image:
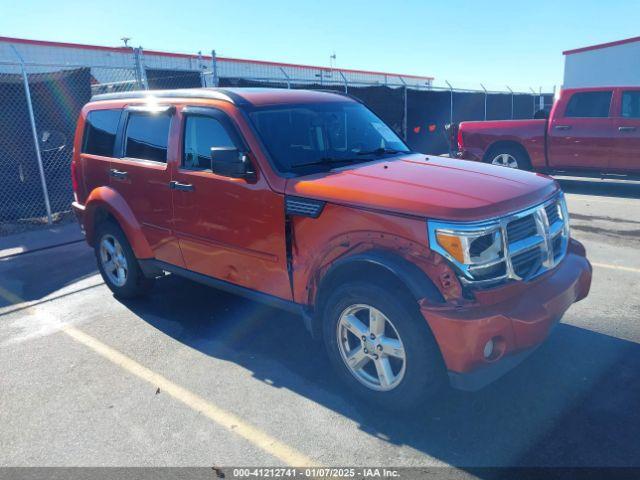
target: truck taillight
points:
(460, 144)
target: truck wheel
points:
(381, 347)
(507, 156)
(117, 263)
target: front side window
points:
(306, 135)
(147, 136)
(589, 104)
(631, 104)
(100, 132)
(201, 134)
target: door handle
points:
(626, 129)
(183, 187)
(118, 174)
(563, 127)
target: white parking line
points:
(572, 197)
(615, 267)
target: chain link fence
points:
(43, 89)
(21, 195)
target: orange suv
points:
(413, 270)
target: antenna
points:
(125, 40)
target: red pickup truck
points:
(589, 130)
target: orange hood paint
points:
(430, 187)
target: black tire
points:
(518, 154)
(136, 284)
(424, 373)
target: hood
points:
(431, 187)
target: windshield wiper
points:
(332, 160)
(383, 151)
(327, 161)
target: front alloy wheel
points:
(371, 347)
(380, 345)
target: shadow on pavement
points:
(573, 403)
(32, 276)
(602, 188)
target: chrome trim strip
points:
(525, 244)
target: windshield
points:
(324, 134)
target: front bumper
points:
(79, 210)
(517, 317)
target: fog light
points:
(488, 349)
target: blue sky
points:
(497, 43)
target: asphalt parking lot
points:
(194, 377)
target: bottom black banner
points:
(356, 473)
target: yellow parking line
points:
(616, 267)
(223, 418)
(228, 420)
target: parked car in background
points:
(411, 269)
(589, 130)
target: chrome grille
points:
(528, 262)
(530, 242)
(553, 214)
(536, 240)
(557, 247)
(521, 228)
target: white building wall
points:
(617, 65)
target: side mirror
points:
(231, 162)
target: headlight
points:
(477, 250)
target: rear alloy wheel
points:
(508, 156)
(381, 346)
(505, 160)
(113, 260)
(117, 263)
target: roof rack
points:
(207, 93)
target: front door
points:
(582, 136)
(229, 228)
(141, 175)
(626, 154)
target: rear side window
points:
(631, 104)
(147, 136)
(100, 132)
(200, 135)
(589, 104)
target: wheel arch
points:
(505, 143)
(104, 204)
(389, 270)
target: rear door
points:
(626, 152)
(97, 150)
(232, 229)
(141, 174)
(581, 134)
